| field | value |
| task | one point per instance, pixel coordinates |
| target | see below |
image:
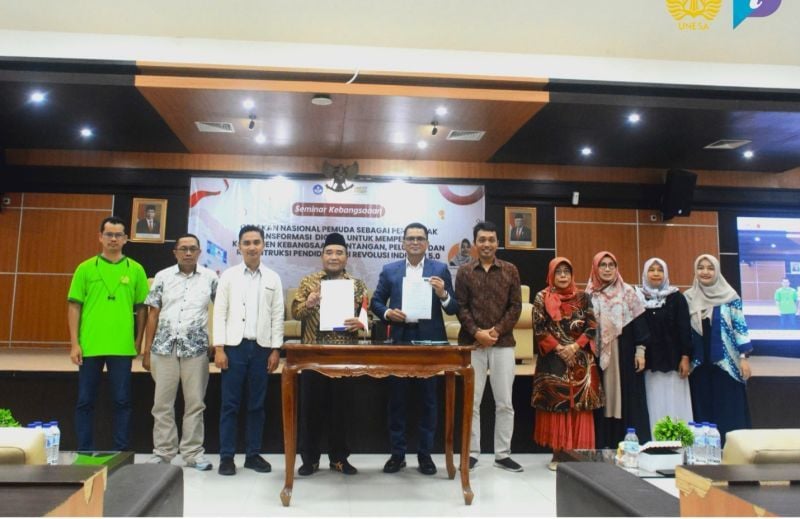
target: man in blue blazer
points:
(387, 303)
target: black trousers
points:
(324, 404)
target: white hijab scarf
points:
(655, 297)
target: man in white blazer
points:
(248, 334)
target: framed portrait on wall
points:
(148, 220)
(520, 228)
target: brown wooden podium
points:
(381, 361)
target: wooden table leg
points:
(449, 408)
(288, 392)
(466, 430)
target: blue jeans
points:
(119, 377)
(247, 363)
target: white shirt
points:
(415, 272)
(252, 280)
(183, 301)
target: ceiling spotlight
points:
(252, 122)
(321, 100)
(435, 128)
(37, 97)
(422, 145)
(86, 133)
(634, 118)
(441, 110)
(260, 138)
(748, 154)
(586, 151)
(757, 239)
(248, 104)
(772, 245)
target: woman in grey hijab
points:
(720, 348)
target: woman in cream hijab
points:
(720, 349)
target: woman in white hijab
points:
(670, 347)
(721, 345)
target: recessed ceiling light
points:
(86, 133)
(321, 100)
(248, 104)
(37, 97)
(422, 145)
(441, 110)
(757, 238)
(748, 154)
(586, 151)
(261, 138)
(634, 118)
(772, 245)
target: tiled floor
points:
(371, 492)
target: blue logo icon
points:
(317, 189)
(743, 9)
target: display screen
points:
(769, 263)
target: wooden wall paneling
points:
(40, 309)
(696, 218)
(678, 246)
(591, 215)
(14, 198)
(579, 242)
(9, 236)
(55, 241)
(6, 297)
(68, 201)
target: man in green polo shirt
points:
(105, 292)
(786, 301)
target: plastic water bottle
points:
(713, 445)
(56, 436)
(700, 445)
(48, 442)
(690, 449)
(630, 457)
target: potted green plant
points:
(668, 429)
(667, 450)
(6, 419)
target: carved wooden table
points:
(381, 361)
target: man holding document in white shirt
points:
(410, 296)
(327, 303)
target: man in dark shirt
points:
(489, 303)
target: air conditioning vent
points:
(727, 144)
(214, 127)
(465, 135)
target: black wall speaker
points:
(678, 193)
